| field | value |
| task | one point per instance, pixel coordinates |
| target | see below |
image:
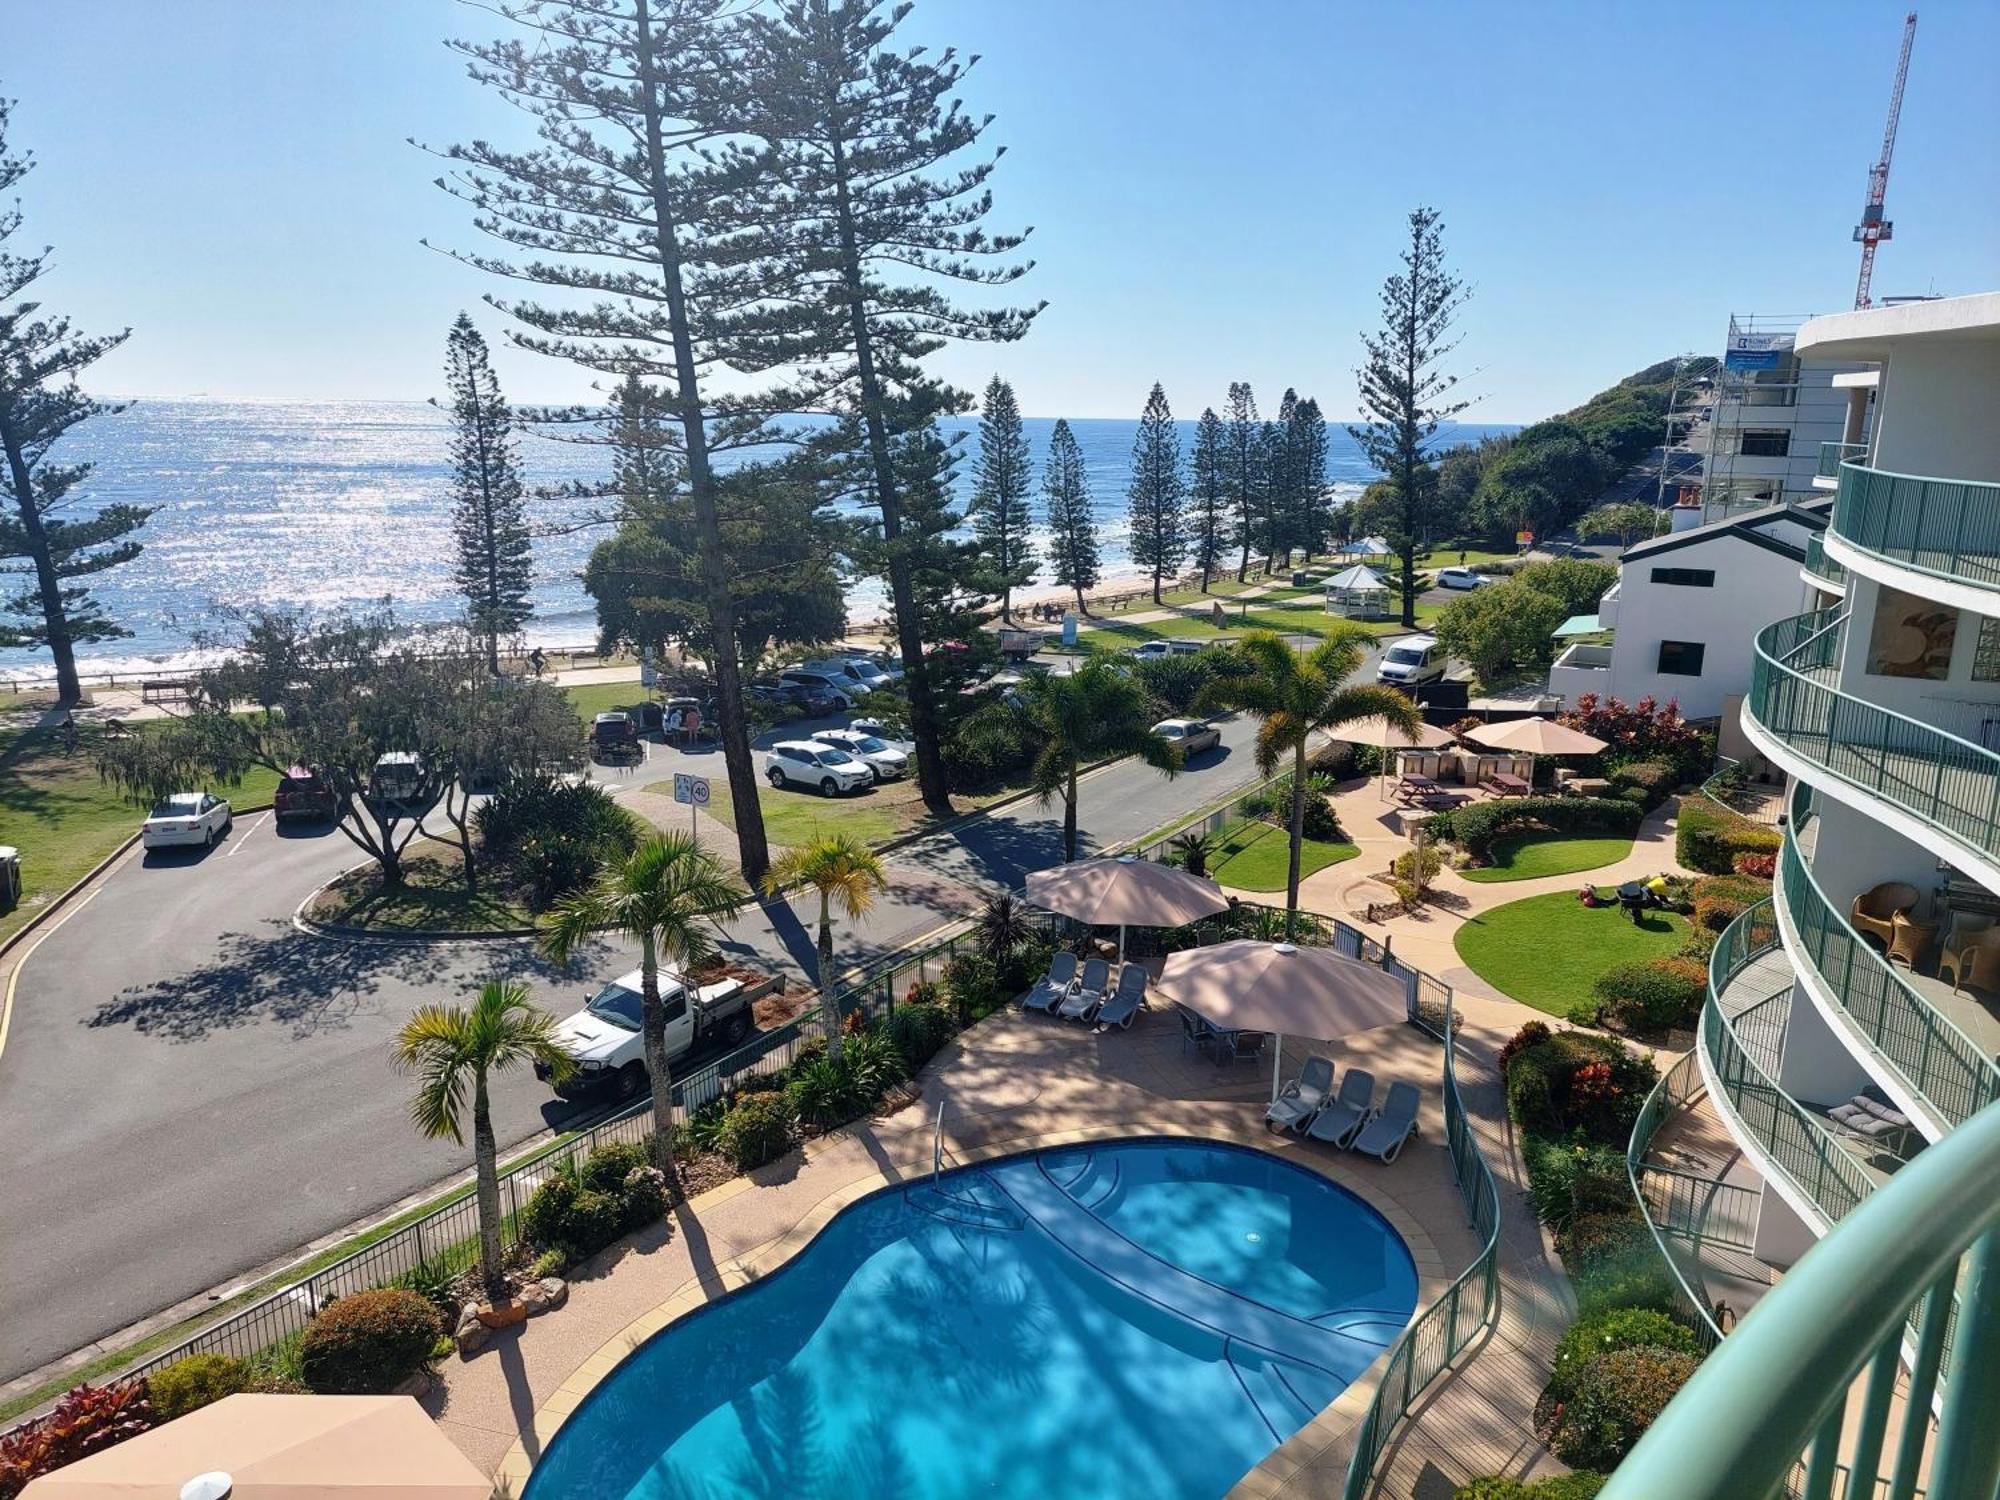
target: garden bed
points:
(1535, 856)
(432, 898)
(1549, 951)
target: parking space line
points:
(14, 974)
(239, 843)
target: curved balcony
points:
(1946, 785)
(1874, 1002)
(1831, 457)
(1679, 1087)
(1741, 1035)
(1944, 528)
(1821, 571)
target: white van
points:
(1413, 659)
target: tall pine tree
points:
(488, 520)
(1404, 393)
(1241, 469)
(1072, 526)
(40, 357)
(1157, 491)
(1278, 497)
(880, 224)
(1314, 531)
(999, 509)
(1208, 497)
(630, 209)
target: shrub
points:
(1582, 1485)
(642, 1196)
(822, 1093)
(1589, 1237)
(435, 1282)
(1618, 1396)
(1645, 731)
(1621, 1328)
(1708, 838)
(972, 985)
(923, 992)
(549, 1263)
(606, 1168)
(1623, 1271)
(1475, 828)
(1569, 1180)
(199, 1380)
(1652, 994)
(369, 1343)
(564, 1215)
(918, 1030)
(1528, 1036)
(756, 1130)
(1759, 866)
(875, 1062)
(1721, 899)
(555, 833)
(87, 1420)
(1551, 1087)
(1652, 780)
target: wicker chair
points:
(1874, 911)
(1975, 962)
(1968, 930)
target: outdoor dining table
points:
(1415, 787)
(1508, 785)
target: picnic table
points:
(1503, 784)
(1415, 788)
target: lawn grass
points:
(593, 698)
(1286, 619)
(793, 816)
(1548, 951)
(432, 898)
(1532, 855)
(1256, 856)
(64, 818)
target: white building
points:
(1686, 607)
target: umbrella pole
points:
(1121, 944)
(1277, 1062)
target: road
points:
(192, 1087)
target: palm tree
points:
(1096, 713)
(445, 1045)
(1293, 694)
(667, 896)
(840, 869)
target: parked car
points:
(877, 754)
(400, 776)
(185, 818)
(810, 763)
(865, 675)
(813, 701)
(841, 689)
(887, 663)
(615, 737)
(605, 1041)
(1413, 659)
(1190, 736)
(1463, 578)
(304, 793)
(1154, 650)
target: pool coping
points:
(1270, 1474)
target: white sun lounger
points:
(1126, 1001)
(1337, 1122)
(1392, 1125)
(1050, 990)
(1303, 1097)
(1082, 1002)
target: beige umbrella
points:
(1377, 731)
(1532, 737)
(256, 1447)
(1251, 985)
(1125, 892)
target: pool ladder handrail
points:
(937, 1147)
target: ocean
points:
(329, 503)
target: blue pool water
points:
(1144, 1318)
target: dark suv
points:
(303, 793)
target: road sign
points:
(691, 789)
(699, 790)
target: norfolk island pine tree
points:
(1158, 539)
(999, 509)
(1208, 497)
(1240, 467)
(1072, 528)
(489, 522)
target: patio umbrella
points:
(1385, 736)
(1250, 985)
(1125, 892)
(257, 1447)
(1532, 737)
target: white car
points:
(605, 1042)
(1462, 578)
(1412, 660)
(1191, 736)
(1157, 650)
(185, 818)
(811, 763)
(863, 673)
(877, 754)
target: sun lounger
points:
(1303, 1097)
(1050, 990)
(1870, 1118)
(1082, 1002)
(1394, 1123)
(1126, 1001)
(1338, 1121)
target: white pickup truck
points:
(610, 1050)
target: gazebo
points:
(1365, 546)
(1358, 593)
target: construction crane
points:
(1873, 228)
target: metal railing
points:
(1795, 1144)
(1947, 528)
(1779, 1386)
(1833, 455)
(1826, 573)
(1730, 788)
(1677, 1088)
(1955, 1077)
(1159, 850)
(1947, 782)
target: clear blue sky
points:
(1217, 187)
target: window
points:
(1774, 442)
(1986, 657)
(1681, 658)
(1687, 578)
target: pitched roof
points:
(1753, 526)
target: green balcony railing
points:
(1833, 455)
(1949, 783)
(1778, 1387)
(1955, 1077)
(1796, 1144)
(1949, 528)
(1677, 1088)
(1822, 567)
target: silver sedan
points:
(1192, 736)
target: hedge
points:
(1582, 1485)
(1653, 780)
(1576, 1081)
(1618, 1396)
(1721, 899)
(1654, 994)
(1475, 828)
(1708, 838)
(369, 1343)
(199, 1380)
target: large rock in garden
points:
(504, 1314)
(471, 1334)
(546, 1295)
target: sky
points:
(1216, 187)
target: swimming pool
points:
(1142, 1317)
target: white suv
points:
(884, 759)
(1463, 578)
(810, 763)
(1412, 660)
